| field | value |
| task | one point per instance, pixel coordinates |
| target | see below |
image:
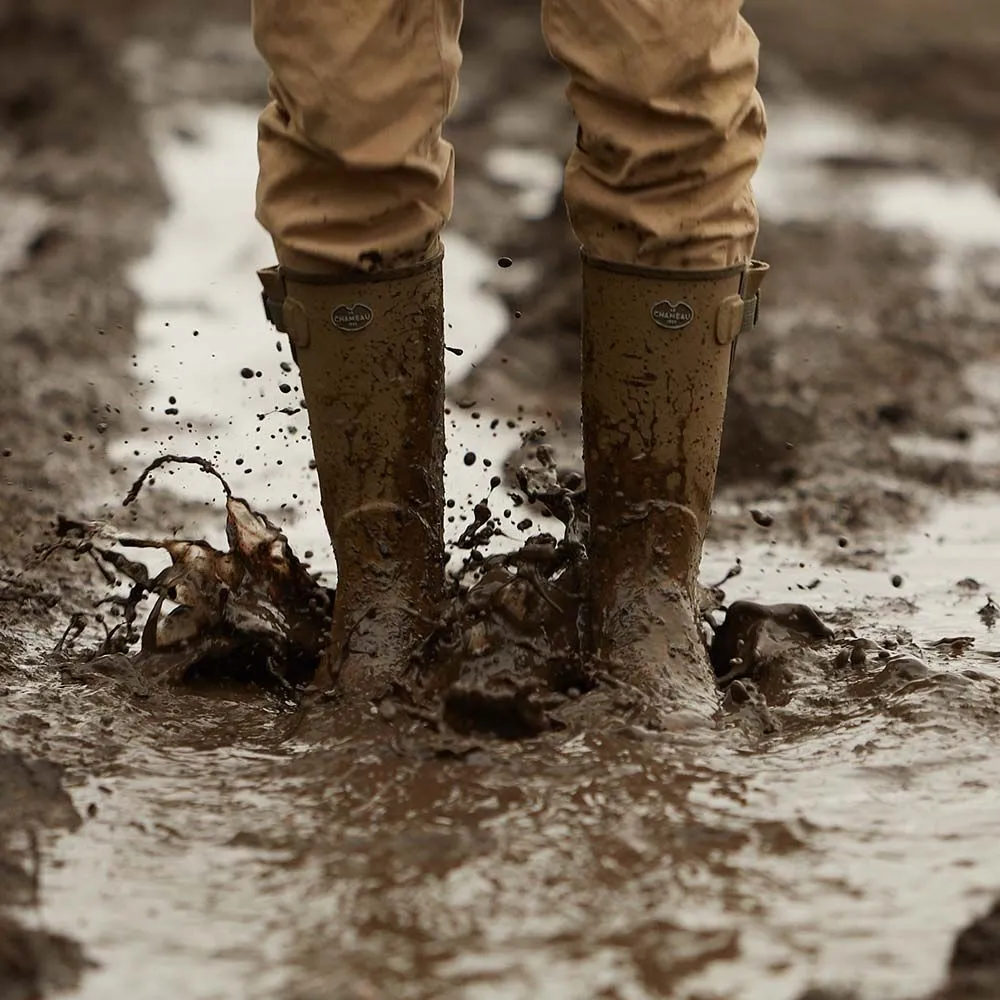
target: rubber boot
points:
(657, 348)
(370, 351)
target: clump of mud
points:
(507, 651)
(250, 613)
(973, 971)
(504, 656)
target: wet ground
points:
(838, 831)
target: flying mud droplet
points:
(897, 580)
(505, 262)
(761, 518)
(989, 613)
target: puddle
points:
(983, 380)
(850, 850)
(882, 180)
(823, 162)
(979, 442)
(980, 449)
(914, 585)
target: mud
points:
(33, 961)
(838, 829)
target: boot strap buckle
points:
(274, 312)
(739, 313)
(273, 296)
(736, 316)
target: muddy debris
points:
(974, 969)
(505, 656)
(754, 642)
(989, 612)
(250, 613)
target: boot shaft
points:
(370, 352)
(657, 348)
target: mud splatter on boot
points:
(657, 348)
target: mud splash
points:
(251, 613)
(506, 656)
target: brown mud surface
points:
(163, 840)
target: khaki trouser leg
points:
(671, 128)
(353, 170)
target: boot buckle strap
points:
(738, 314)
(273, 296)
(273, 312)
(286, 314)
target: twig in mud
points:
(287, 411)
(203, 463)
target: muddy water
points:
(221, 864)
(228, 859)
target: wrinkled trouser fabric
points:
(354, 170)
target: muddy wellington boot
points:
(657, 346)
(370, 351)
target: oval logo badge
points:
(351, 319)
(672, 316)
